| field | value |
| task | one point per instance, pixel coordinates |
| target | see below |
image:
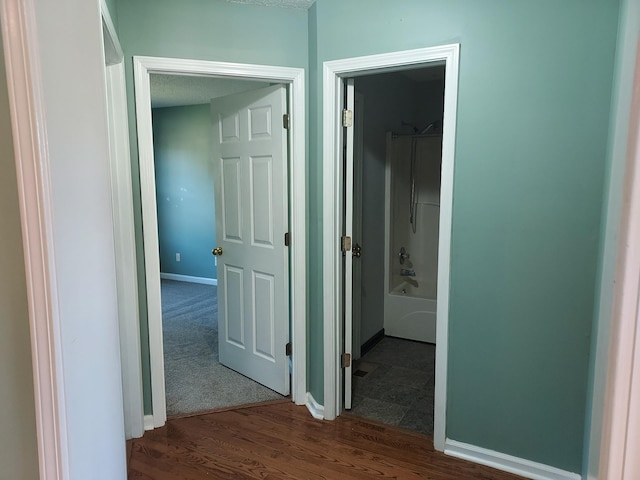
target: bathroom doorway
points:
(396, 189)
(338, 229)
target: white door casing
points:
(124, 230)
(250, 171)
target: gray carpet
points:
(194, 379)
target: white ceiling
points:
(302, 4)
(179, 90)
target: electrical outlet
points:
(177, 257)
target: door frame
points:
(123, 230)
(334, 73)
(294, 77)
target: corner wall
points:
(18, 443)
(72, 67)
(627, 45)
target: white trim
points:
(620, 440)
(150, 240)
(315, 409)
(143, 67)
(148, 422)
(24, 83)
(333, 74)
(187, 278)
(506, 463)
(124, 231)
(626, 60)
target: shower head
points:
(433, 126)
(407, 124)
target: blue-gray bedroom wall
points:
(183, 156)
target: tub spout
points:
(405, 272)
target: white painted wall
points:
(72, 67)
(18, 446)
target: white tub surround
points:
(412, 214)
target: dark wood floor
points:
(283, 441)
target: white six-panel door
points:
(250, 171)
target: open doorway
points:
(183, 130)
(267, 341)
(397, 157)
(338, 226)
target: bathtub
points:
(409, 315)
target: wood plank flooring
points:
(283, 441)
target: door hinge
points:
(345, 360)
(347, 118)
(285, 121)
(345, 243)
(287, 349)
(287, 239)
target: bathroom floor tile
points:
(418, 420)
(407, 376)
(395, 384)
(384, 412)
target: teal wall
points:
(204, 30)
(18, 443)
(184, 186)
(113, 11)
(315, 369)
(534, 95)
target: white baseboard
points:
(506, 463)
(316, 410)
(187, 278)
(148, 422)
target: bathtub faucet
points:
(405, 272)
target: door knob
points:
(217, 251)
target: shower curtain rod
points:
(415, 135)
